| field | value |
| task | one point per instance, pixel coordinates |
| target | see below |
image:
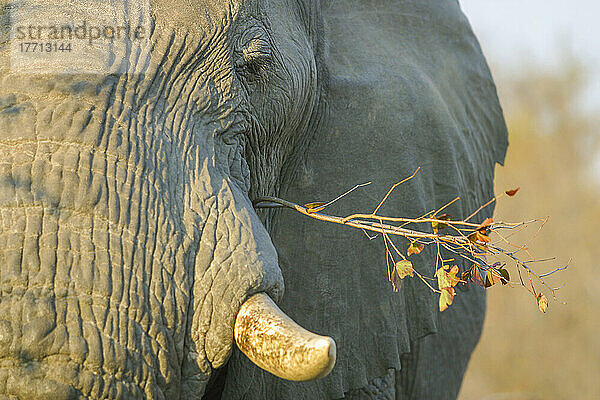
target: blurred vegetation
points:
(552, 156)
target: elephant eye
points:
(257, 50)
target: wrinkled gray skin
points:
(127, 236)
(408, 87)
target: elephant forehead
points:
(214, 15)
(204, 15)
(195, 14)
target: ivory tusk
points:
(277, 344)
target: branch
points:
(469, 241)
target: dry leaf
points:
(442, 277)
(476, 276)
(446, 281)
(512, 192)
(505, 276)
(542, 302)
(414, 248)
(437, 225)
(466, 275)
(446, 297)
(401, 270)
(491, 278)
(478, 237)
(452, 275)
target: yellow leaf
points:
(542, 302)
(452, 276)
(445, 282)
(403, 268)
(446, 298)
(442, 277)
(414, 248)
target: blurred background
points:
(545, 58)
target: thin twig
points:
(344, 194)
(394, 187)
(446, 205)
(483, 206)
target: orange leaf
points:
(512, 192)
(486, 222)
(414, 248)
(542, 302)
(478, 237)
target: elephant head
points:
(131, 258)
(128, 241)
(408, 87)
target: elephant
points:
(133, 263)
(408, 87)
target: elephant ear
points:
(408, 87)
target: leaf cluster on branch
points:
(470, 241)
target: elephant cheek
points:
(86, 310)
(93, 289)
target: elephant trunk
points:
(274, 342)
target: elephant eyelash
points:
(257, 51)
